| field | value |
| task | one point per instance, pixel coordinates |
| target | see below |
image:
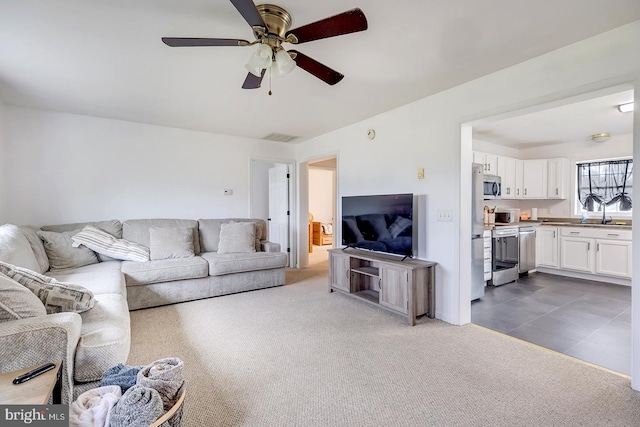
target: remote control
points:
(33, 373)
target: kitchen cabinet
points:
(486, 235)
(547, 247)
(489, 161)
(604, 252)
(510, 170)
(534, 179)
(557, 178)
(576, 254)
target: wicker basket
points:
(173, 415)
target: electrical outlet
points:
(420, 173)
(445, 215)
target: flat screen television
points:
(382, 223)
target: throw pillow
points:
(62, 254)
(18, 302)
(56, 296)
(104, 243)
(15, 247)
(167, 243)
(351, 233)
(399, 225)
(237, 237)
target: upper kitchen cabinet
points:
(534, 179)
(489, 161)
(510, 170)
(557, 178)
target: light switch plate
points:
(445, 215)
(420, 173)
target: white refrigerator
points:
(477, 228)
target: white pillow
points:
(171, 242)
(237, 237)
(18, 302)
(104, 243)
(56, 296)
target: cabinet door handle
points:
(588, 246)
(574, 232)
(613, 234)
(556, 191)
(525, 191)
(554, 234)
(597, 247)
(347, 272)
(517, 191)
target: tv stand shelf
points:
(402, 286)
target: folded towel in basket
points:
(165, 376)
(123, 375)
(140, 406)
(92, 408)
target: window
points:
(605, 185)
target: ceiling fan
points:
(270, 24)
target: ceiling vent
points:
(280, 137)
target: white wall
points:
(321, 194)
(427, 134)
(66, 168)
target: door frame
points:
(302, 219)
(292, 199)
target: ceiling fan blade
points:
(347, 22)
(253, 82)
(319, 70)
(249, 12)
(193, 41)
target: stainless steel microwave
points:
(492, 187)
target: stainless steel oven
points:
(505, 251)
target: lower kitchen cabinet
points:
(576, 254)
(596, 251)
(547, 247)
(613, 258)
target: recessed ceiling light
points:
(625, 108)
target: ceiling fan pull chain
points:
(270, 72)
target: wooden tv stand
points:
(403, 287)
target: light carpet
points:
(297, 355)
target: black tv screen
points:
(381, 223)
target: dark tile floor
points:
(580, 318)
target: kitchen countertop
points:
(555, 223)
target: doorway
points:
(322, 208)
(563, 311)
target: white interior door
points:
(279, 211)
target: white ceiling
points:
(105, 58)
(567, 123)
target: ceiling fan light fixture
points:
(284, 62)
(600, 137)
(626, 108)
(259, 60)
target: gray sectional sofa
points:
(95, 340)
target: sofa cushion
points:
(221, 264)
(113, 227)
(210, 231)
(237, 237)
(18, 302)
(62, 254)
(174, 242)
(15, 248)
(31, 233)
(106, 244)
(164, 270)
(104, 337)
(101, 278)
(56, 296)
(137, 230)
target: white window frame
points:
(577, 206)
